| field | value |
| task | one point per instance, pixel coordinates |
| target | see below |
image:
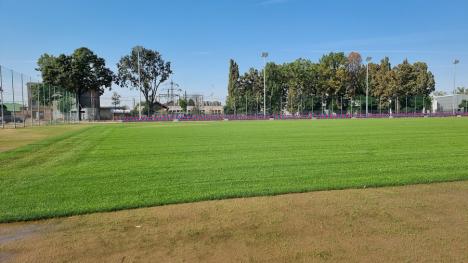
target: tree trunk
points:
(78, 104)
(150, 109)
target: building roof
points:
(160, 105)
(13, 106)
(450, 95)
(114, 107)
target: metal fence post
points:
(62, 102)
(44, 97)
(69, 110)
(67, 94)
(30, 101)
(360, 105)
(341, 107)
(415, 103)
(424, 105)
(38, 104)
(312, 108)
(22, 98)
(13, 94)
(406, 106)
(51, 119)
(53, 107)
(380, 105)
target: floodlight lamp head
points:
(456, 61)
(264, 54)
(138, 49)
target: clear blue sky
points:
(199, 37)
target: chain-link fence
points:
(456, 104)
(25, 101)
(333, 107)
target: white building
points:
(448, 102)
(205, 107)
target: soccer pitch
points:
(118, 166)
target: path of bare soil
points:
(420, 223)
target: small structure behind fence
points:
(25, 101)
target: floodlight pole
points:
(455, 62)
(139, 82)
(368, 59)
(1, 98)
(264, 56)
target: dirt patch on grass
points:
(423, 223)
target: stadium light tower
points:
(264, 56)
(455, 62)
(1, 97)
(139, 81)
(368, 59)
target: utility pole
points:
(264, 56)
(455, 62)
(368, 59)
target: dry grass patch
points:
(420, 223)
(14, 138)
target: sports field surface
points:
(416, 223)
(117, 166)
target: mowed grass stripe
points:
(110, 167)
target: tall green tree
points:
(301, 82)
(249, 91)
(383, 82)
(333, 77)
(232, 88)
(78, 73)
(277, 87)
(183, 104)
(336, 82)
(440, 93)
(115, 99)
(356, 74)
(461, 90)
(464, 105)
(152, 71)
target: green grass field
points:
(117, 166)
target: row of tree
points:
(335, 82)
(83, 71)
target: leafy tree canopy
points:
(291, 85)
(78, 73)
(146, 67)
